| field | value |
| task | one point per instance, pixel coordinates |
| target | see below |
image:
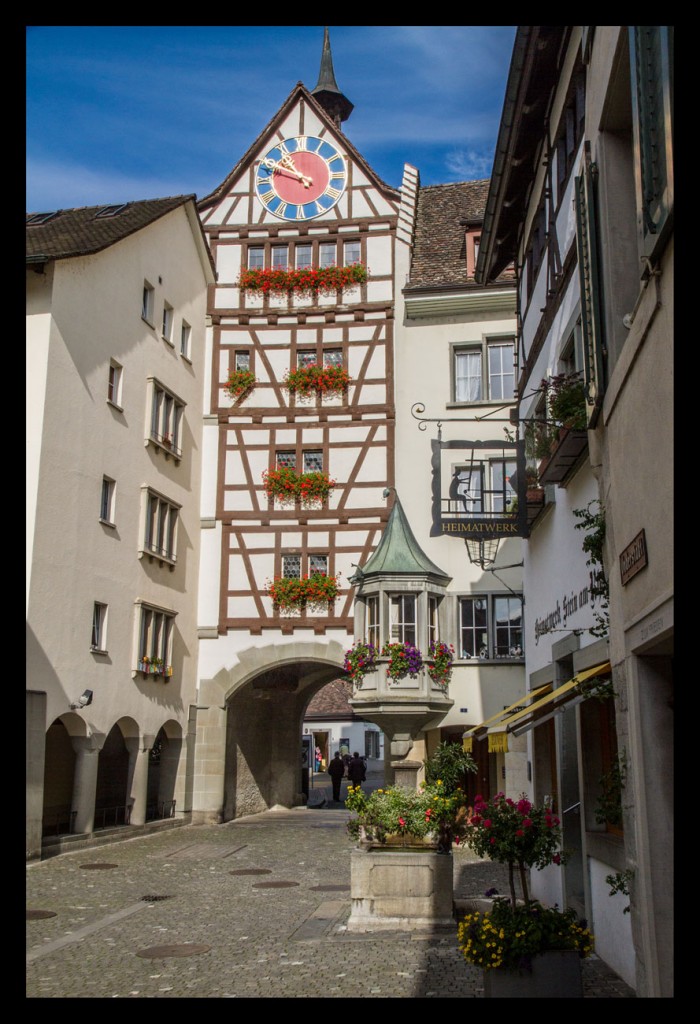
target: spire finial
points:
(326, 90)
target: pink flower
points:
(524, 806)
(527, 823)
(402, 822)
(493, 839)
(487, 823)
(556, 858)
(519, 832)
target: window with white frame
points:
(98, 637)
(286, 460)
(241, 360)
(280, 257)
(185, 335)
(256, 257)
(114, 383)
(327, 252)
(491, 626)
(166, 418)
(147, 301)
(303, 255)
(167, 322)
(485, 372)
(156, 629)
(160, 527)
(351, 253)
(402, 618)
(107, 501)
(372, 620)
(306, 357)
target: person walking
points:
(336, 770)
(356, 770)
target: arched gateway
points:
(249, 723)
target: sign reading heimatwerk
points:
(633, 558)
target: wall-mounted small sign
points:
(633, 558)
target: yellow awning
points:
(469, 733)
(558, 698)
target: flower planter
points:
(399, 887)
(555, 974)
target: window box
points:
(568, 448)
(287, 486)
(155, 667)
(324, 380)
(303, 281)
(240, 383)
(297, 592)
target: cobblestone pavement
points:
(254, 908)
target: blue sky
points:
(119, 113)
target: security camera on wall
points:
(83, 700)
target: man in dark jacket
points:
(336, 770)
(356, 770)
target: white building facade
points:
(116, 306)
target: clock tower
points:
(298, 440)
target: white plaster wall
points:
(611, 926)
(95, 313)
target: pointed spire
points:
(326, 90)
(399, 552)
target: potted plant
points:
(303, 282)
(282, 483)
(566, 400)
(295, 592)
(324, 380)
(314, 487)
(239, 383)
(406, 835)
(522, 947)
(440, 658)
(404, 659)
(359, 660)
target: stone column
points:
(35, 749)
(137, 779)
(87, 752)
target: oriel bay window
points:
(491, 626)
(166, 418)
(160, 527)
(156, 629)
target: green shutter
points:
(650, 63)
(589, 277)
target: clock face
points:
(301, 178)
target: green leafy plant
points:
(592, 520)
(307, 281)
(620, 882)
(410, 815)
(324, 380)
(239, 383)
(313, 487)
(539, 438)
(566, 400)
(404, 660)
(608, 810)
(450, 764)
(439, 662)
(359, 660)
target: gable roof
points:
(439, 256)
(79, 232)
(332, 702)
(299, 92)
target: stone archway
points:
(249, 724)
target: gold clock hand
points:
(287, 164)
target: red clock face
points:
(301, 178)
(304, 179)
